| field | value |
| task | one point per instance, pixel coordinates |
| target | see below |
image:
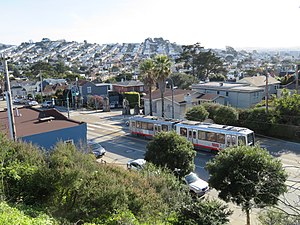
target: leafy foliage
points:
(197, 113)
(20, 163)
(226, 115)
(247, 176)
(201, 62)
(12, 215)
(183, 81)
(205, 212)
(256, 119)
(133, 98)
(170, 150)
(94, 101)
(277, 217)
(216, 77)
(287, 108)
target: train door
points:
(157, 128)
(190, 135)
(194, 136)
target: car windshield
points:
(250, 138)
(94, 146)
(191, 178)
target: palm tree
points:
(148, 77)
(162, 70)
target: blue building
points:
(45, 128)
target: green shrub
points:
(197, 113)
(133, 99)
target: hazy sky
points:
(213, 23)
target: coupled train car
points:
(203, 135)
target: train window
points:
(183, 131)
(242, 140)
(144, 125)
(150, 126)
(221, 138)
(194, 134)
(190, 134)
(138, 124)
(228, 138)
(133, 123)
(211, 136)
(233, 140)
(164, 127)
(158, 128)
(201, 135)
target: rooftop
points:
(30, 121)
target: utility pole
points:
(267, 92)
(297, 79)
(10, 113)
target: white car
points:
(96, 149)
(136, 164)
(196, 184)
(47, 104)
(32, 103)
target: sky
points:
(212, 23)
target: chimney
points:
(188, 98)
(18, 114)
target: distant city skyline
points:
(214, 24)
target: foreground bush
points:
(11, 215)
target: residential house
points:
(182, 101)
(87, 88)
(261, 82)
(239, 95)
(128, 86)
(23, 88)
(44, 128)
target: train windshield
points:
(250, 138)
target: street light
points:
(68, 109)
(172, 86)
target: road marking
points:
(90, 128)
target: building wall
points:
(244, 99)
(237, 99)
(95, 90)
(48, 140)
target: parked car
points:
(32, 103)
(136, 164)
(196, 184)
(47, 104)
(96, 149)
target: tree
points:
(189, 55)
(247, 176)
(197, 113)
(277, 217)
(183, 81)
(226, 115)
(201, 62)
(162, 69)
(148, 77)
(287, 108)
(208, 63)
(170, 150)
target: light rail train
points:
(209, 136)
